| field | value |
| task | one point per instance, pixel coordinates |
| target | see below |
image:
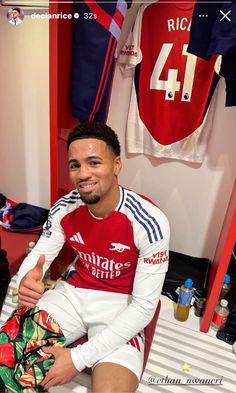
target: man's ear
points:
(117, 165)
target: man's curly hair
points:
(96, 131)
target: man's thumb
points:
(38, 269)
(41, 261)
(49, 350)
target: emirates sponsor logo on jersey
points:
(119, 247)
(157, 258)
(102, 267)
(77, 238)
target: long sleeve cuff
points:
(77, 360)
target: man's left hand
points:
(63, 369)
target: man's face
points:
(93, 170)
(15, 14)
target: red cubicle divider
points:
(221, 261)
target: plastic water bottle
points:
(30, 247)
(186, 292)
(199, 305)
(225, 287)
(220, 315)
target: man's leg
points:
(113, 378)
(121, 371)
(66, 309)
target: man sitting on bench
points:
(111, 291)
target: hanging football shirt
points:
(213, 30)
(171, 89)
(96, 31)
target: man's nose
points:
(84, 172)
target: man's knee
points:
(113, 378)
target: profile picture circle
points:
(15, 16)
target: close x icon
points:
(225, 15)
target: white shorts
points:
(81, 311)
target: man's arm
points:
(38, 262)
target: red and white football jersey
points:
(133, 238)
(123, 256)
(171, 88)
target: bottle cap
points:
(224, 303)
(188, 283)
(31, 244)
(227, 279)
(201, 300)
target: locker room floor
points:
(208, 363)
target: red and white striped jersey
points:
(171, 88)
(134, 237)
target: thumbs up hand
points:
(31, 286)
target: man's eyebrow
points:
(72, 161)
(93, 157)
(87, 158)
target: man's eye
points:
(94, 163)
(73, 165)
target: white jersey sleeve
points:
(49, 244)
(53, 236)
(130, 55)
